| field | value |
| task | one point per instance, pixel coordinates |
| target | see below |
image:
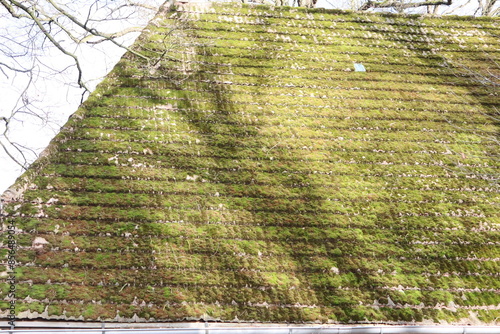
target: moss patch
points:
(248, 172)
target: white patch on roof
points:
(39, 242)
(359, 67)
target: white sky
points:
(59, 100)
(56, 96)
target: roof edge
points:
(184, 4)
(243, 326)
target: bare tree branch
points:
(400, 5)
(94, 31)
(40, 27)
(12, 157)
(487, 7)
(465, 4)
(12, 10)
(135, 4)
(32, 14)
(14, 69)
(113, 36)
(15, 151)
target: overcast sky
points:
(58, 99)
(56, 95)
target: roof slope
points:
(248, 172)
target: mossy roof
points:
(247, 172)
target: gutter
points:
(203, 328)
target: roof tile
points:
(247, 173)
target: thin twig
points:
(49, 36)
(94, 31)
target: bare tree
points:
(435, 7)
(41, 39)
(488, 8)
(401, 5)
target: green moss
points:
(254, 166)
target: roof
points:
(247, 172)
